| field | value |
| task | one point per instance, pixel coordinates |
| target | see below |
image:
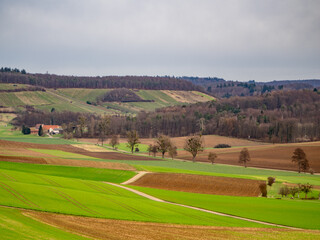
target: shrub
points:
(222, 145)
(263, 189)
(271, 181)
(284, 191)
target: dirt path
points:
(136, 177)
(200, 209)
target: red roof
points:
(47, 127)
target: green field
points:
(160, 99)
(295, 213)
(86, 173)
(123, 146)
(83, 197)
(13, 135)
(14, 225)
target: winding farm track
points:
(136, 177)
(199, 209)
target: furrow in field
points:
(51, 182)
(131, 209)
(75, 202)
(18, 195)
(10, 178)
(100, 189)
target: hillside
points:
(221, 88)
(80, 99)
(8, 75)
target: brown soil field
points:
(19, 152)
(277, 156)
(72, 149)
(123, 230)
(200, 184)
(209, 141)
(68, 162)
(23, 159)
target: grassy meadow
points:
(285, 211)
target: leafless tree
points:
(212, 157)
(133, 139)
(244, 156)
(194, 145)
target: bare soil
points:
(270, 156)
(200, 184)
(17, 151)
(123, 230)
(73, 149)
(22, 159)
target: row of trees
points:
(131, 82)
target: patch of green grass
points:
(14, 225)
(96, 199)
(210, 98)
(124, 147)
(63, 154)
(86, 173)
(295, 213)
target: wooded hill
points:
(282, 116)
(221, 88)
(131, 82)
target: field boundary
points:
(201, 209)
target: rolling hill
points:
(79, 99)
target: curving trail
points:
(199, 209)
(136, 177)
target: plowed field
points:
(200, 184)
(276, 156)
(123, 230)
(72, 149)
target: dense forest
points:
(280, 116)
(132, 82)
(221, 88)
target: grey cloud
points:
(247, 39)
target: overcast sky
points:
(233, 39)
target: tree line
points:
(131, 82)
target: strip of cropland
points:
(83, 197)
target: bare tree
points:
(82, 121)
(149, 149)
(154, 150)
(133, 139)
(212, 157)
(104, 128)
(244, 156)
(173, 151)
(300, 158)
(114, 141)
(284, 191)
(163, 144)
(293, 191)
(194, 145)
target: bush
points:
(271, 181)
(263, 189)
(284, 191)
(222, 145)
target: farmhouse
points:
(51, 129)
